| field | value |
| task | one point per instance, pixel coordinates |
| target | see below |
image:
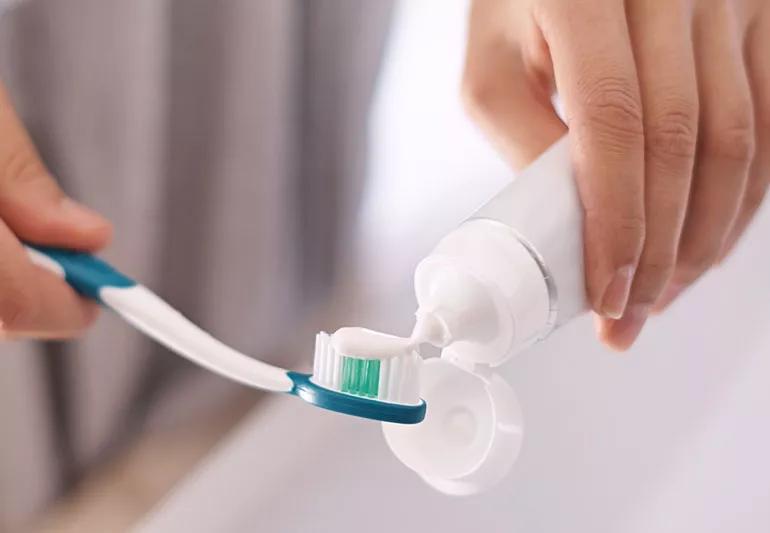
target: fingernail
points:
(80, 215)
(621, 334)
(670, 293)
(616, 294)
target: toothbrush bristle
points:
(392, 380)
(360, 376)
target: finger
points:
(596, 77)
(504, 87)
(31, 203)
(725, 150)
(758, 69)
(34, 302)
(666, 68)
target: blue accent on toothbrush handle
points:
(84, 272)
(355, 405)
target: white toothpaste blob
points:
(369, 344)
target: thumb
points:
(507, 91)
(31, 203)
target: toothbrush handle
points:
(85, 273)
(148, 313)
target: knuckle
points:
(731, 139)
(629, 223)
(626, 232)
(658, 266)
(652, 274)
(632, 226)
(20, 164)
(478, 93)
(674, 134)
(612, 111)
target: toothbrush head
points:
(364, 373)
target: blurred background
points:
(277, 167)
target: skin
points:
(667, 104)
(33, 302)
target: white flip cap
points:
(471, 435)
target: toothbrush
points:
(367, 363)
(355, 395)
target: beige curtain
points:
(225, 140)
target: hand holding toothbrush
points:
(34, 302)
(668, 109)
(43, 274)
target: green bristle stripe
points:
(373, 377)
(345, 381)
(355, 375)
(360, 376)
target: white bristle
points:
(327, 358)
(384, 377)
(337, 369)
(316, 356)
(330, 363)
(321, 351)
(398, 380)
(395, 366)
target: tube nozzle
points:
(431, 329)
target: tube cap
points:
(472, 432)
